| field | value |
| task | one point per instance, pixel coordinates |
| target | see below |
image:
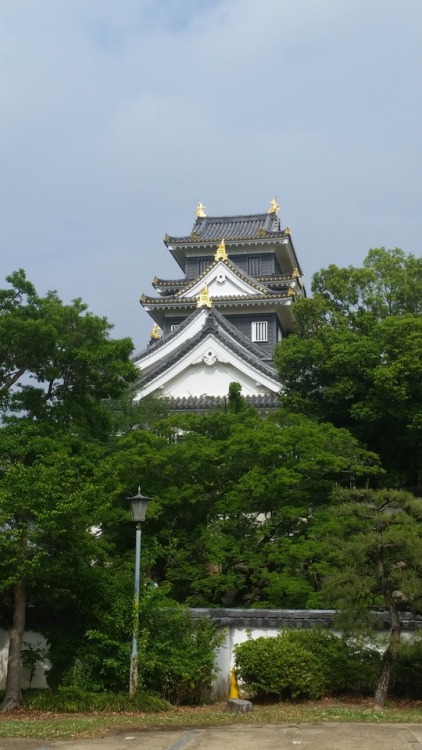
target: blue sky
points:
(118, 117)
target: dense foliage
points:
(232, 498)
(356, 358)
(176, 651)
(305, 664)
(246, 511)
(57, 365)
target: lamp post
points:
(138, 505)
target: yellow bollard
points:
(234, 687)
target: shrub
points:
(280, 667)
(406, 681)
(306, 664)
(346, 666)
(176, 651)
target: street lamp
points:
(138, 505)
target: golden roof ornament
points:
(204, 298)
(296, 274)
(155, 333)
(292, 291)
(221, 252)
(274, 207)
(200, 211)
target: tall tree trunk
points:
(390, 655)
(13, 696)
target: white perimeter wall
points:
(37, 641)
(224, 655)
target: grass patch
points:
(74, 701)
(26, 724)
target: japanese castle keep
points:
(220, 321)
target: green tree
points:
(370, 558)
(57, 365)
(232, 493)
(235, 401)
(57, 361)
(356, 358)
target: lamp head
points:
(138, 505)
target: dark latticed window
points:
(204, 263)
(254, 265)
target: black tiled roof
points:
(215, 228)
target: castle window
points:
(260, 331)
(204, 263)
(254, 265)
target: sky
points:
(119, 116)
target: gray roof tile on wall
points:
(205, 403)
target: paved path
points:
(264, 737)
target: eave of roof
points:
(178, 245)
(184, 302)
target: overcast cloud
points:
(118, 116)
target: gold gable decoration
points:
(204, 298)
(274, 207)
(200, 211)
(296, 274)
(155, 333)
(221, 252)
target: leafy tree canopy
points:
(57, 361)
(230, 491)
(356, 358)
(57, 366)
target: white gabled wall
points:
(221, 282)
(209, 369)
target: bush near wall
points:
(305, 664)
(406, 681)
(176, 653)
